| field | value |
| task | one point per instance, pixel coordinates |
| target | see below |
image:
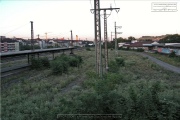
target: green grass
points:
(171, 60)
(38, 94)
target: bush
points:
(61, 63)
(45, 62)
(120, 61)
(36, 64)
(73, 62)
(140, 50)
(172, 54)
(63, 57)
(79, 59)
(40, 63)
(113, 67)
(88, 49)
(59, 66)
(103, 99)
(177, 59)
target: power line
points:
(91, 4)
(15, 29)
(115, 3)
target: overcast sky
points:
(57, 18)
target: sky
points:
(58, 17)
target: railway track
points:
(15, 69)
(10, 71)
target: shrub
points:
(172, 54)
(177, 59)
(140, 50)
(36, 64)
(79, 59)
(130, 63)
(61, 63)
(88, 49)
(59, 67)
(103, 99)
(63, 57)
(120, 61)
(73, 62)
(45, 62)
(40, 63)
(113, 67)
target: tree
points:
(170, 39)
(131, 38)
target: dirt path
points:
(161, 63)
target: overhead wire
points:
(115, 3)
(91, 4)
(15, 29)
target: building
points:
(9, 47)
(139, 45)
(165, 48)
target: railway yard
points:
(39, 94)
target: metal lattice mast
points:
(115, 40)
(97, 27)
(98, 50)
(105, 40)
(116, 46)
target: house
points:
(138, 45)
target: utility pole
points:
(32, 36)
(98, 49)
(116, 51)
(97, 26)
(115, 41)
(105, 40)
(105, 34)
(111, 35)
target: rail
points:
(27, 53)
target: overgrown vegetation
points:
(172, 54)
(120, 61)
(62, 63)
(136, 102)
(59, 65)
(40, 63)
(140, 50)
(136, 89)
(88, 48)
(171, 59)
